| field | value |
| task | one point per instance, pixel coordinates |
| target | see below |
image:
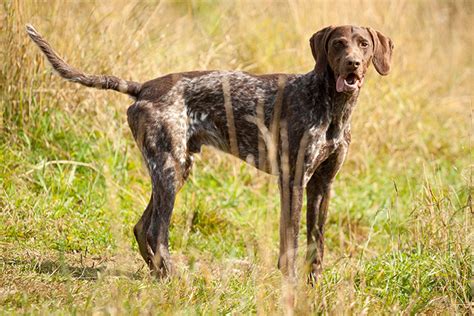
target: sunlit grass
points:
(399, 230)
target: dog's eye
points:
(364, 44)
(338, 44)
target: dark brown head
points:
(347, 51)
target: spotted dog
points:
(295, 126)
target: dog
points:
(294, 126)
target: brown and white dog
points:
(295, 126)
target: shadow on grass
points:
(62, 269)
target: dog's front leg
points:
(317, 195)
(318, 192)
(291, 201)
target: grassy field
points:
(72, 182)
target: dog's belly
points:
(249, 141)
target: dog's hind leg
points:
(141, 227)
(140, 231)
(167, 176)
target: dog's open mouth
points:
(349, 83)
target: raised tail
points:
(70, 73)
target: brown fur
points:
(295, 126)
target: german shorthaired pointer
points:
(295, 126)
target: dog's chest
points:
(320, 146)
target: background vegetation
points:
(72, 183)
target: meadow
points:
(399, 233)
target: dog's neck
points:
(339, 105)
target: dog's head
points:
(348, 51)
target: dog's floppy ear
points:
(383, 48)
(318, 44)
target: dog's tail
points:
(70, 73)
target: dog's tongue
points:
(340, 84)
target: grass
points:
(72, 183)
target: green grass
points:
(72, 182)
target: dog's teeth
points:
(203, 116)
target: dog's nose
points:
(353, 62)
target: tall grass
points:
(399, 232)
